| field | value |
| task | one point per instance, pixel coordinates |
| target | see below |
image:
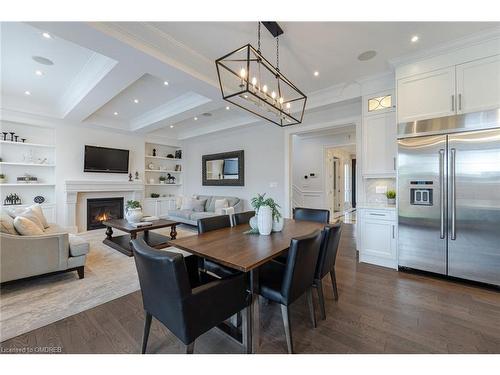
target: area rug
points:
(31, 304)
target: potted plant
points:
(133, 211)
(391, 196)
(162, 179)
(3, 179)
(268, 217)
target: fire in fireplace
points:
(101, 209)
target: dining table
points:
(237, 249)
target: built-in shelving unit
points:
(35, 157)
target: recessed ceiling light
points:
(39, 73)
(316, 73)
(27, 93)
(171, 126)
(42, 60)
(115, 113)
(46, 35)
(165, 83)
(136, 101)
(196, 118)
(367, 55)
(414, 38)
(227, 108)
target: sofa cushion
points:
(26, 227)
(183, 214)
(196, 205)
(77, 246)
(37, 210)
(220, 204)
(201, 215)
(232, 201)
(7, 224)
(54, 228)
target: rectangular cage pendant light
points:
(249, 81)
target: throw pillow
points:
(196, 205)
(32, 216)
(220, 204)
(37, 210)
(178, 202)
(26, 227)
(14, 211)
(7, 224)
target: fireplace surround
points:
(99, 209)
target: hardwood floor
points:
(378, 311)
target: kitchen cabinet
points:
(426, 95)
(378, 237)
(158, 206)
(469, 87)
(379, 145)
(478, 85)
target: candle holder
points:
(15, 138)
(23, 140)
(12, 136)
(5, 135)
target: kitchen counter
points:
(380, 206)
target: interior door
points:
(422, 203)
(474, 206)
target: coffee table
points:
(122, 243)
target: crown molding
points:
(470, 40)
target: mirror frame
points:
(240, 154)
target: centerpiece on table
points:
(267, 217)
(133, 211)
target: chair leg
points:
(246, 328)
(311, 306)
(321, 298)
(190, 348)
(81, 272)
(147, 326)
(334, 283)
(285, 313)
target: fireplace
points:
(100, 209)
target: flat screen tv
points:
(105, 160)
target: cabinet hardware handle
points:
(373, 214)
(394, 162)
(459, 102)
(393, 235)
(453, 102)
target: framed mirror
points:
(224, 169)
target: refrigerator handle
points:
(441, 192)
(453, 190)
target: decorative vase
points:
(3, 180)
(278, 225)
(253, 222)
(391, 200)
(265, 220)
(134, 215)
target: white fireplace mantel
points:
(73, 188)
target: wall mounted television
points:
(105, 160)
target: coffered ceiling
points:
(100, 68)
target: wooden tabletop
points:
(124, 225)
(235, 249)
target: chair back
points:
(300, 267)
(328, 250)
(243, 217)
(164, 282)
(311, 214)
(212, 223)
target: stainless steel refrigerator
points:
(449, 196)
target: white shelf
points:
(31, 185)
(163, 158)
(27, 144)
(160, 171)
(163, 184)
(26, 164)
(28, 204)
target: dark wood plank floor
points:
(379, 311)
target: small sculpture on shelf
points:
(178, 167)
(27, 179)
(155, 195)
(5, 135)
(154, 151)
(136, 175)
(12, 199)
(170, 156)
(3, 178)
(178, 154)
(12, 136)
(170, 179)
(39, 199)
(130, 177)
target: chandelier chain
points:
(258, 37)
(277, 53)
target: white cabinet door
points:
(379, 239)
(380, 144)
(163, 207)
(427, 95)
(149, 207)
(478, 85)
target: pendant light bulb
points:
(264, 88)
(243, 73)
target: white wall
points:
(264, 151)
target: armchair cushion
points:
(77, 246)
(26, 227)
(7, 224)
(37, 210)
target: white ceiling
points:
(101, 67)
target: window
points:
(379, 102)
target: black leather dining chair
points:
(206, 225)
(285, 283)
(243, 217)
(326, 263)
(186, 310)
(311, 214)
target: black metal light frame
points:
(286, 119)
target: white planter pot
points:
(391, 200)
(134, 215)
(278, 225)
(253, 222)
(265, 220)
